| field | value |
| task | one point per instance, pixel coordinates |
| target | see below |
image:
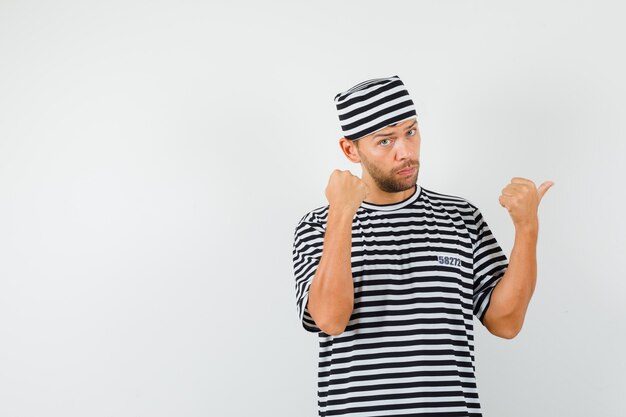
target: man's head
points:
(379, 122)
(387, 152)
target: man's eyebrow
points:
(387, 134)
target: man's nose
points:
(403, 150)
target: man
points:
(389, 273)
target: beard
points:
(392, 182)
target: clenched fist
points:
(345, 191)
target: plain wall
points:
(155, 158)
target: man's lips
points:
(406, 171)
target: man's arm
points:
(511, 296)
(331, 295)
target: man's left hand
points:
(521, 198)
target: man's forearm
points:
(511, 296)
(331, 295)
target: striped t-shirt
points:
(421, 268)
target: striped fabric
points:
(422, 268)
(373, 105)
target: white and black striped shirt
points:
(421, 269)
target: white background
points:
(156, 156)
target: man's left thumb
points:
(543, 188)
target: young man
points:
(389, 273)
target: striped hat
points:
(373, 105)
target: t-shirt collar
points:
(394, 206)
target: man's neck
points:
(376, 196)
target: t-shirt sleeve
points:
(307, 251)
(490, 264)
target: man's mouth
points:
(407, 171)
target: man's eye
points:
(412, 130)
(382, 141)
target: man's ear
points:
(349, 149)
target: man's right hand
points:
(345, 191)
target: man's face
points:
(384, 154)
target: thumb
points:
(543, 188)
